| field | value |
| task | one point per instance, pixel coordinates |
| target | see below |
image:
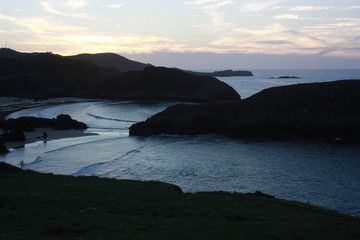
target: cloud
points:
(276, 47)
(39, 25)
(265, 30)
(311, 8)
(233, 33)
(275, 42)
(348, 19)
(212, 8)
(113, 6)
(279, 39)
(201, 2)
(287, 16)
(122, 43)
(321, 8)
(353, 53)
(45, 35)
(217, 16)
(75, 4)
(259, 5)
(352, 7)
(72, 43)
(278, 7)
(66, 8)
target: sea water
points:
(326, 174)
(266, 78)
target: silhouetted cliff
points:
(159, 83)
(43, 75)
(46, 75)
(317, 110)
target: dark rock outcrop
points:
(13, 134)
(159, 83)
(316, 110)
(3, 149)
(286, 77)
(61, 122)
(64, 122)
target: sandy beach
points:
(9, 105)
(34, 136)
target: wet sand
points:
(36, 135)
(9, 105)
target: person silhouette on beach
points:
(45, 136)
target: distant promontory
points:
(225, 73)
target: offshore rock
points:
(3, 149)
(225, 73)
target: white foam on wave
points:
(110, 119)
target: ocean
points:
(325, 174)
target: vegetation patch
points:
(47, 206)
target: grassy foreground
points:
(45, 206)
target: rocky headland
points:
(316, 110)
(160, 83)
(47, 75)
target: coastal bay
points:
(320, 173)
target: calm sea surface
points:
(322, 173)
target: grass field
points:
(46, 206)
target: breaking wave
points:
(110, 119)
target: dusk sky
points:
(198, 34)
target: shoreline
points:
(10, 105)
(34, 136)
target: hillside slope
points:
(46, 75)
(111, 60)
(159, 83)
(46, 206)
(43, 75)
